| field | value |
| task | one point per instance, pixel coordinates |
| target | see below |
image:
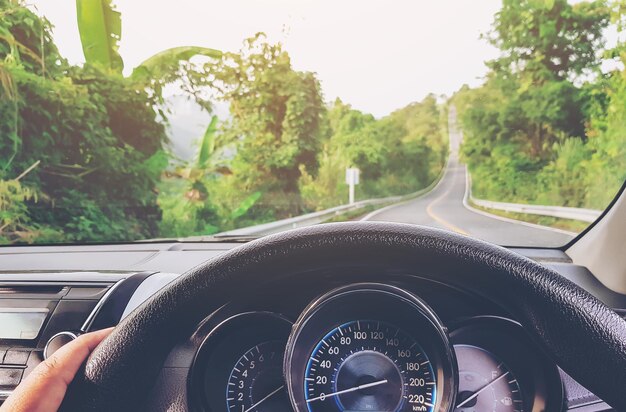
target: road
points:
(444, 208)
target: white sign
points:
(352, 176)
(352, 179)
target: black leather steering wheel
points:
(586, 338)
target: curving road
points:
(444, 208)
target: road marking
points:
(454, 142)
(370, 215)
(441, 178)
(442, 221)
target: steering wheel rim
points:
(569, 322)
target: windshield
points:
(129, 120)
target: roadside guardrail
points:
(584, 215)
(308, 219)
(321, 216)
(574, 213)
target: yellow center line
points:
(442, 221)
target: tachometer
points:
(256, 382)
(369, 365)
(239, 367)
(369, 347)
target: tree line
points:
(83, 149)
(548, 126)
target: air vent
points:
(31, 289)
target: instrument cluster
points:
(371, 347)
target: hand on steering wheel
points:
(44, 389)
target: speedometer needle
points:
(274, 392)
(356, 388)
(466, 401)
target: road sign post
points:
(352, 179)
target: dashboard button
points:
(10, 376)
(16, 357)
(56, 342)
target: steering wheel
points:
(585, 337)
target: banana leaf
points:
(246, 205)
(164, 64)
(100, 28)
(207, 146)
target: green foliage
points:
(100, 28)
(189, 199)
(245, 206)
(172, 66)
(166, 62)
(535, 132)
(81, 149)
(15, 222)
(549, 39)
(13, 211)
(606, 168)
(94, 137)
(327, 187)
(207, 146)
(184, 213)
(290, 150)
(398, 154)
(275, 124)
(564, 178)
(355, 136)
(96, 141)
(26, 40)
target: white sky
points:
(377, 55)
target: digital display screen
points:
(21, 323)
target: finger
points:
(67, 360)
(44, 388)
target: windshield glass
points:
(127, 120)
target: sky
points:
(377, 55)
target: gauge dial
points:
(239, 365)
(368, 365)
(501, 369)
(256, 382)
(485, 383)
(369, 348)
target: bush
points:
(95, 135)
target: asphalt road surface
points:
(443, 208)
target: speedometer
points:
(369, 347)
(369, 365)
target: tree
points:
(355, 136)
(276, 121)
(607, 125)
(398, 154)
(96, 142)
(546, 45)
(186, 198)
(549, 39)
(538, 127)
(100, 28)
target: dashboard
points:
(344, 342)
(370, 347)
